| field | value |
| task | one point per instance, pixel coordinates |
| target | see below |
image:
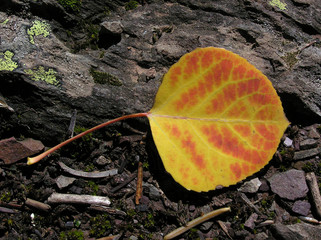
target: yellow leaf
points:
(216, 119)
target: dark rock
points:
(261, 236)
(299, 231)
(250, 222)
(301, 207)
(264, 186)
(13, 150)
(148, 39)
(306, 153)
(63, 181)
(290, 184)
(308, 143)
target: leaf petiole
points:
(32, 160)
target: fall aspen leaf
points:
(216, 119)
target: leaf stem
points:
(51, 150)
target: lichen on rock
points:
(40, 74)
(105, 78)
(278, 3)
(6, 63)
(38, 28)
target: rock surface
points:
(135, 48)
(296, 231)
(12, 150)
(290, 184)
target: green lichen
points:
(40, 74)
(38, 28)
(278, 3)
(6, 63)
(105, 78)
(131, 5)
(290, 58)
(72, 235)
(70, 5)
(5, 22)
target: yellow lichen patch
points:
(40, 74)
(278, 3)
(38, 28)
(6, 63)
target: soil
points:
(164, 205)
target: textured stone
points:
(251, 186)
(290, 184)
(308, 143)
(306, 153)
(250, 222)
(301, 207)
(299, 231)
(63, 181)
(12, 150)
(139, 46)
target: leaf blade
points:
(212, 112)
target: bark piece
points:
(315, 192)
(78, 199)
(36, 204)
(74, 172)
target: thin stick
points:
(51, 150)
(78, 199)
(139, 187)
(315, 192)
(195, 222)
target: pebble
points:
(22, 149)
(102, 161)
(306, 153)
(288, 142)
(63, 181)
(313, 133)
(290, 184)
(308, 143)
(251, 186)
(295, 231)
(301, 207)
(250, 222)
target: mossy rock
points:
(105, 78)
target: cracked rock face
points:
(138, 46)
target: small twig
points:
(78, 199)
(39, 205)
(309, 220)
(70, 132)
(139, 188)
(116, 237)
(224, 228)
(315, 192)
(74, 172)
(248, 202)
(109, 210)
(195, 222)
(128, 180)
